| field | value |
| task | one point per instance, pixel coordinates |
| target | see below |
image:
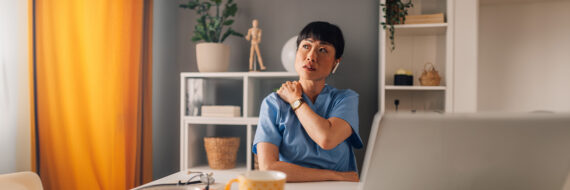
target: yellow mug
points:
(259, 180)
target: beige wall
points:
(524, 56)
(465, 56)
(14, 87)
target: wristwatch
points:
(297, 104)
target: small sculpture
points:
(255, 34)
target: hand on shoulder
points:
(290, 91)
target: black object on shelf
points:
(404, 80)
(397, 102)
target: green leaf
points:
(395, 12)
(226, 34)
(202, 32)
(217, 22)
(212, 35)
(237, 34)
(198, 33)
(196, 38)
(217, 26)
(202, 19)
(232, 9)
(204, 8)
(199, 29)
(189, 5)
(228, 22)
(209, 28)
(193, 4)
(217, 2)
(229, 32)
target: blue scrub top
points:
(279, 125)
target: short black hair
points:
(323, 31)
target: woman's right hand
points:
(348, 176)
(290, 91)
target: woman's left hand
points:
(290, 91)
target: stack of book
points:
(194, 96)
(220, 111)
(425, 19)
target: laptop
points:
(476, 151)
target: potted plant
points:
(212, 55)
(395, 12)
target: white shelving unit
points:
(417, 44)
(252, 94)
(392, 87)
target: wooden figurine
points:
(255, 34)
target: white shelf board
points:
(392, 87)
(238, 74)
(205, 168)
(420, 29)
(221, 120)
(213, 74)
(252, 120)
(272, 74)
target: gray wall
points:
(280, 20)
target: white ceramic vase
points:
(213, 57)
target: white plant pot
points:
(213, 57)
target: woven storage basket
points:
(221, 151)
(430, 77)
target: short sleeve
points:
(267, 127)
(346, 107)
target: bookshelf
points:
(252, 87)
(416, 45)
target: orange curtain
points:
(92, 93)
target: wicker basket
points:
(430, 77)
(221, 151)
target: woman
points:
(307, 129)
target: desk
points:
(223, 176)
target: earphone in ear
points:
(335, 67)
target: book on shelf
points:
(198, 94)
(425, 19)
(194, 96)
(220, 111)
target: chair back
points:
(21, 181)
